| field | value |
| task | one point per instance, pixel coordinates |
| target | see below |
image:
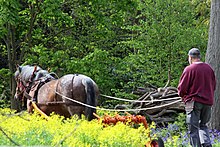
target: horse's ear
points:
(19, 68)
(35, 69)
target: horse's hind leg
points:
(75, 110)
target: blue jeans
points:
(197, 116)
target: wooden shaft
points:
(39, 111)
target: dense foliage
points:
(121, 45)
(57, 131)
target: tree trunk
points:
(213, 58)
(11, 51)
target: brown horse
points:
(57, 95)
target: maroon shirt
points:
(197, 83)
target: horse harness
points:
(31, 90)
(34, 88)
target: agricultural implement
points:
(112, 120)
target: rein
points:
(24, 88)
(20, 85)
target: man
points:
(196, 87)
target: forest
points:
(121, 45)
(124, 46)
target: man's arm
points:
(183, 84)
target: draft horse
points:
(53, 94)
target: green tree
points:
(160, 35)
(121, 45)
(9, 22)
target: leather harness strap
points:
(27, 95)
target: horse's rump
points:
(79, 88)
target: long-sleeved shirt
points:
(197, 83)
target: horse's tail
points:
(90, 98)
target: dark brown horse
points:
(57, 95)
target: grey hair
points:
(194, 53)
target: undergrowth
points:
(23, 129)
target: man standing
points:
(196, 87)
